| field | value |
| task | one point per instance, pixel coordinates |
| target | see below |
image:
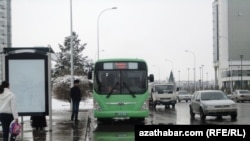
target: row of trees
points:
(61, 80)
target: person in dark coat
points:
(38, 122)
(75, 95)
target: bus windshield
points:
(121, 82)
(120, 88)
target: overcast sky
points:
(154, 30)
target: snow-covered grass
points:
(62, 105)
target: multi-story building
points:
(5, 30)
(231, 44)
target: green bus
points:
(120, 89)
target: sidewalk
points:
(62, 128)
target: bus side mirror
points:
(151, 78)
(90, 75)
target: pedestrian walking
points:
(75, 95)
(8, 111)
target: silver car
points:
(241, 95)
(183, 95)
(212, 103)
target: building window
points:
(248, 72)
(1, 23)
(235, 73)
(2, 7)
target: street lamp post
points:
(194, 67)
(241, 57)
(230, 76)
(179, 79)
(207, 80)
(98, 19)
(202, 76)
(238, 77)
(71, 45)
(71, 49)
(188, 80)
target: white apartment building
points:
(231, 44)
(5, 30)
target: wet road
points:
(120, 130)
(116, 131)
(62, 128)
(180, 116)
(124, 130)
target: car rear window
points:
(213, 96)
(245, 92)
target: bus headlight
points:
(144, 106)
(96, 106)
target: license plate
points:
(121, 114)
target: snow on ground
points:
(62, 105)
(59, 105)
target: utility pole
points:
(241, 83)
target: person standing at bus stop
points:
(75, 95)
(8, 110)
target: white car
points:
(163, 94)
(241, 95)
(212, 103)
(183, 95)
